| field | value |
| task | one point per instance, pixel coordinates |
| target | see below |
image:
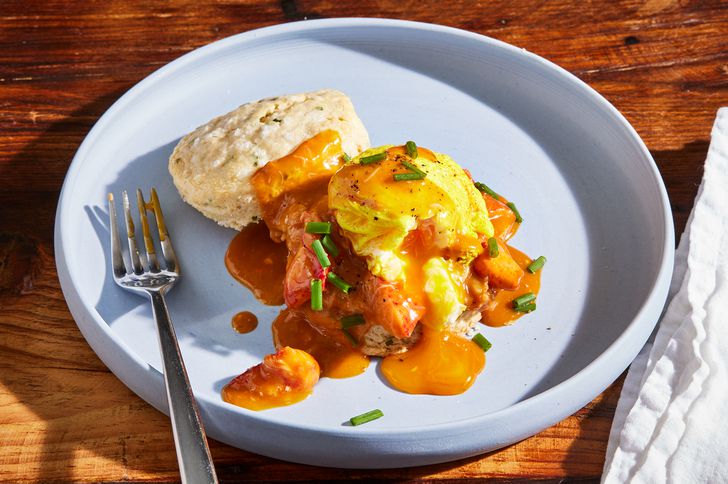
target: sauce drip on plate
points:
(290, 328)
(258, 263)
(441, 363)
(244, 322)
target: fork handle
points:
(193, 454)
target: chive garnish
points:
(317, 295)
(330, 246)
(366, 417)
(352, 320)
(366, 160)
(536, 265)
(493, 249)
(482, 341)
(482, 187)
(515, 211)
(408, 176)
(321, 255)
(413, 168)
(338, 282)
(318, 228)
(411, 148)
(350, 337)
(526, 308)
(523, 299)
(346, 157)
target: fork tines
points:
(147, 261)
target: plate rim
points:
(86, 319)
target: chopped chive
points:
(346, 157)
(526, 308)
(536, 265)
(366, 417)
(352, 320)
(330, 246)
(408, 176)
(482, 187)
(523, 299)
(482, 341)
(318, 249)
(338, 282)
(411, 148)
(515, 211)
(366, 160)
(318, 228)
(493, 249)
(317, 295)
(413, 168)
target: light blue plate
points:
(590, 194)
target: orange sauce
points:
(283, 378)
(244, 322)
(258, 263)
(441, 363)
(502, 217)
(372, 185)
(501, 312)
(303, 172)
(336, 361)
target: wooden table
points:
(64, 416)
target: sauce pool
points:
(244, 322)
(336, 361)
(258, 263)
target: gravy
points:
(258, 263)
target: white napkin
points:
(671, 423)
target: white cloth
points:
(671, 423)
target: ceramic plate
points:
(591, 196)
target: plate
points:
(591, 196)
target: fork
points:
(145, 276)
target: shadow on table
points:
(682, 171)
(34, 387)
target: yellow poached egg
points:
(422, 233)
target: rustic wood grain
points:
(64, 417)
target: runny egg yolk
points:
(422, 234)
(441, 363)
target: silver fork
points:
(146, 277)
